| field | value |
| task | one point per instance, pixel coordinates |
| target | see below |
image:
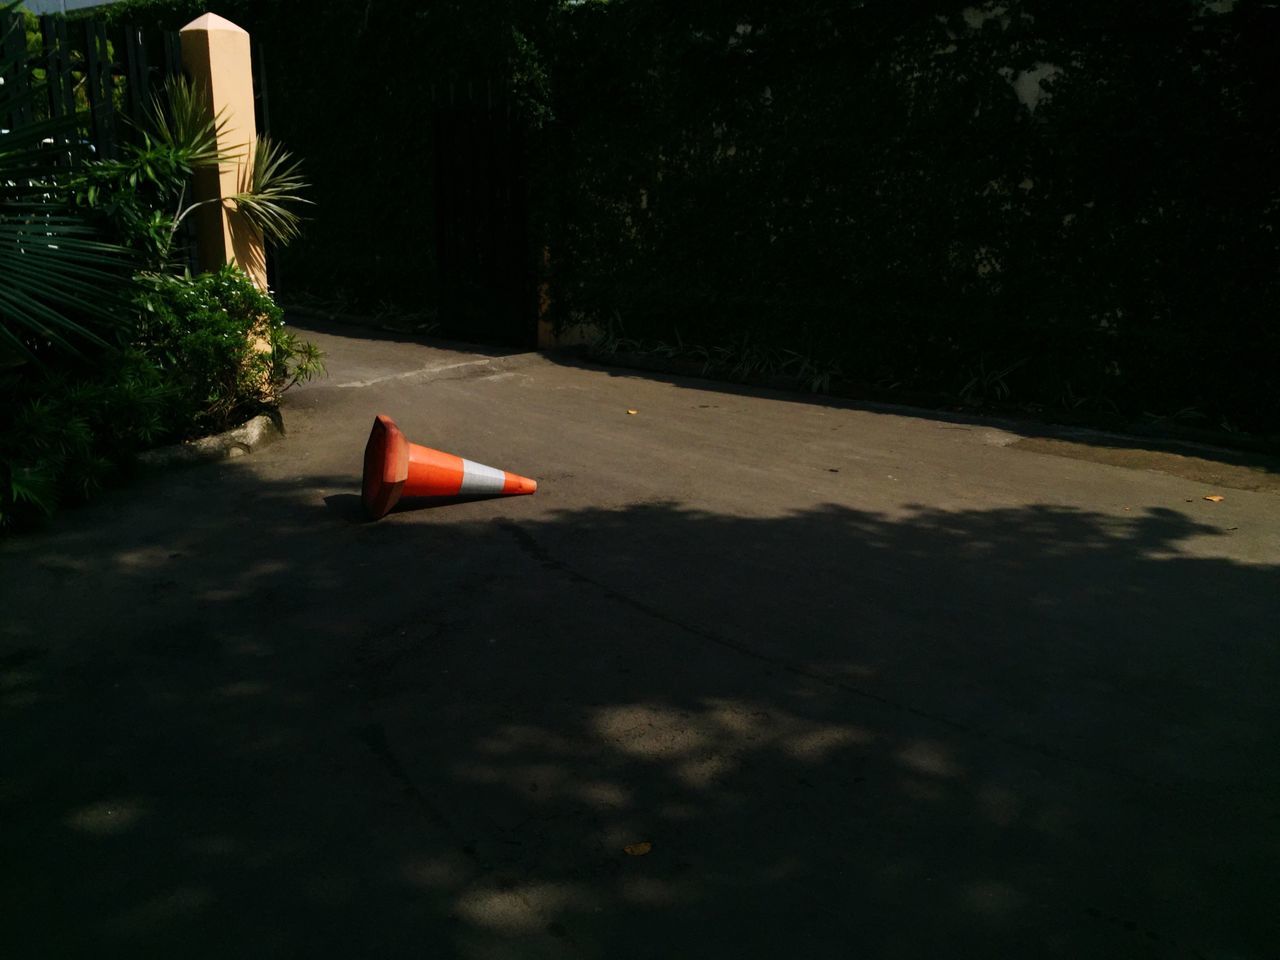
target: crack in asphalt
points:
(530, 545)
(374, 737)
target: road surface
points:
(749, 676)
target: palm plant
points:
(60, 282)
(275, 185)
(144, 193)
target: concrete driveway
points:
(848, 683)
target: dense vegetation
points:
(1071, 207)
(108, 344)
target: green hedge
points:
(203, 354)
(1068, 205)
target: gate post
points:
(216, 55)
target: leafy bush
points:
(72, 429)
(221, 343)
(208, 352)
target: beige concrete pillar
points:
(215, 53)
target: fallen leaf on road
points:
(1216, 498)
(638, 849)
(632, 413)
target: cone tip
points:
(517, 485)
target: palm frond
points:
(275, 187)
(180, 119)
(35, 151)
(60, 285)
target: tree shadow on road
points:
(268, 731)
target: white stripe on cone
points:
(479, 479)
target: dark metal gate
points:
(485, 276)
(84, 68)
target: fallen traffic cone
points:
(395, 468)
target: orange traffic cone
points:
(395, 468)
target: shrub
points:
(221, 343)
(208, 352)
(73, 429)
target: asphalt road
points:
(847, 682)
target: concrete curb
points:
(257, 433)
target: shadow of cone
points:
(395, 468)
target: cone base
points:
(386, 468)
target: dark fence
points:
(101, 74)
(1067, 207)
(482, 242)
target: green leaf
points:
(275, 187)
